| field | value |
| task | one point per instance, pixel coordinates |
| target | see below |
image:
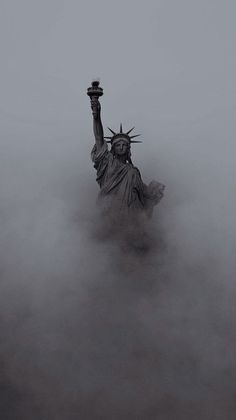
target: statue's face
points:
(121, 147)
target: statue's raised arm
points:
(94, 92)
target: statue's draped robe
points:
(121, 187)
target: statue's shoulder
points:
(136, 170)
(100, 153)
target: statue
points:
(122, 191)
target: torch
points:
(94, 91)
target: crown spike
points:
(108, 137)
(113, 132)
(121, 129)
(135, 141)
(136, 135)
(130, 130)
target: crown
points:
(122, 135)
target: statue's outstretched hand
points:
(96, 107)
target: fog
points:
(90, 330)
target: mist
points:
(91, 329)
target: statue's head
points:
(120, 147)
(121, 142)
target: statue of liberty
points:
(122, 191)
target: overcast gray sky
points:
(168, 67)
